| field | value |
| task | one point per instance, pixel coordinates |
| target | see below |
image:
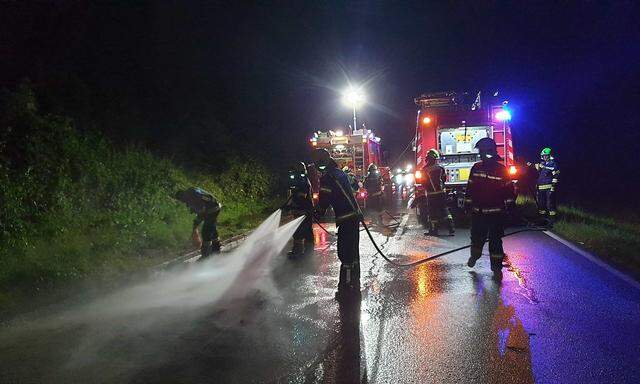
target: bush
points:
(73, 204)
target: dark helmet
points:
(372, 168)
(346, 169)
(299, 167)
(321, 158)
(487, 148)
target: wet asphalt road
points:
(554, 317)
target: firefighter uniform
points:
(207, 209)
(489, 194)
(435, 177)
(373, 185)
(352, 179)
(335, 191)
(546, 185)
(301, 203)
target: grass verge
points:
(614, 238)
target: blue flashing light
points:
(503, 115)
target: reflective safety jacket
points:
(335, 190)
(547, 174)
(301, 195)
(435, 177)
(373, 184)
(489, 189)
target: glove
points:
(195, 237)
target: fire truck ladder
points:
(358, 159)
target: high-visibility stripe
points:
(554, 180)
(545, 186)
(542, 212)
(494, 177)
(552, 213)
(434, 193)
(487, 210)
(326, 189)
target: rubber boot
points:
(433, 229)
(215, 246)
(308, 247)
(205, 251)
(476, 253)
(298, 248)
(452, 229)
(349, 284)
(496, 262)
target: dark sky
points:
(570, 69)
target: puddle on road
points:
(524, 290)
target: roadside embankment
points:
(75, 206)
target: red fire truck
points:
(453, 123)
(356, 150)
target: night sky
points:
(571, 72)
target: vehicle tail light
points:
(513, 170)
(418, 175)
(363, 194)
(316, 196)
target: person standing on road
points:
(300, 203)
(489, 195)
(437, 209)
(336, 191)
(546, 186)
(373, 185)
(207, 209)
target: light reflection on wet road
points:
(552, 318)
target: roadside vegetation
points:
(74, 205)
(613, 237)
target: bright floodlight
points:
(353, 97)
(503, 115)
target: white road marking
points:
(595, 260)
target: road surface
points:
(554, 317)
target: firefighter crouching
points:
(489, 194)
(335, 191)
(373, 185)
(546, 186)
(301, 203)
(206, 208)
(434, 189)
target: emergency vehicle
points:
(354, 149)
(453, 123)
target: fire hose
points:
(356, 208)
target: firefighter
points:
(489, 194)
(335, 191)
(353, 181)
(301, 203)
(546, 186)
(434, 189)
(206, 208)
(373, 185)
